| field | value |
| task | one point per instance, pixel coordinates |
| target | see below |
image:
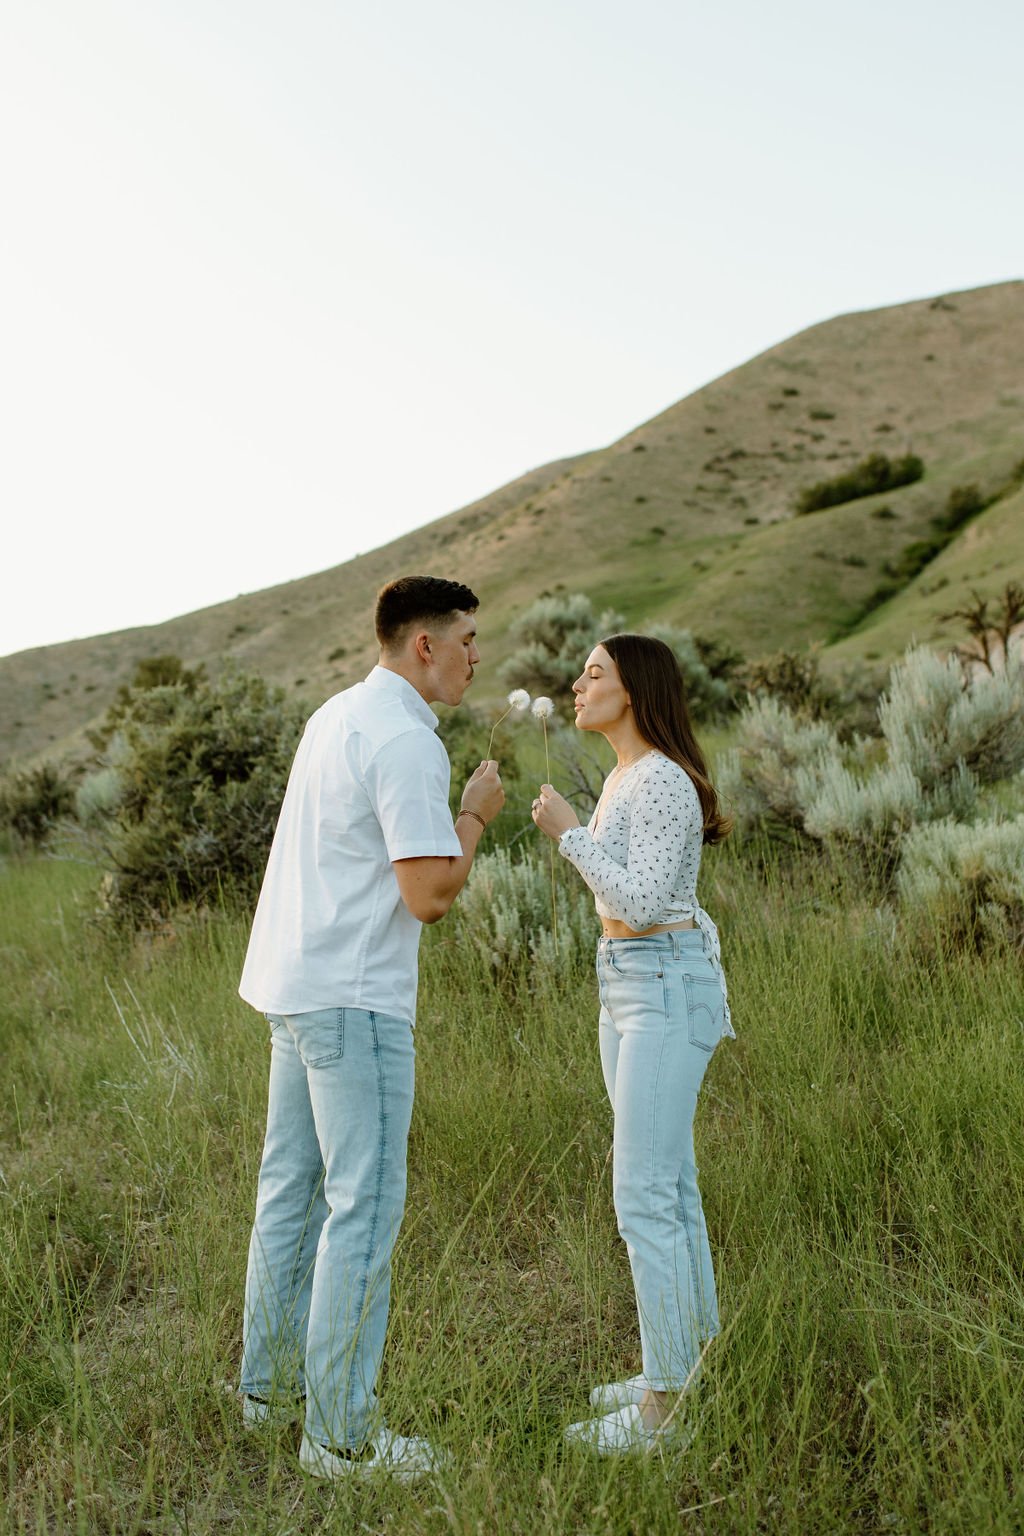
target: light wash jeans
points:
(662, 1014)
(329, 1204)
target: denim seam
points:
(294, 1277)
(371, 1239)
(675, 1217)
(650, 1182)
(702, 1321)
(681, 1204)
(318, 1178)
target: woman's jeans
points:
(329, 1204)
(662, 1014)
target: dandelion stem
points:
(551, 846)
(494, 727)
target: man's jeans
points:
(662, 1014)
(329, 1204)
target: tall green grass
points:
(862, 1171)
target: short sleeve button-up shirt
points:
(368, 785)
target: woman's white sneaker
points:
(400, 1456)
(624, 1433)
(618, 1394)
(620, 1433)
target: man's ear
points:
(422, 647)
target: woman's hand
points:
(553, 814)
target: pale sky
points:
(282, 279)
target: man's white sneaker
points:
(400, 1456)
(258, 1413)
(618, 1394)
(624, 1433)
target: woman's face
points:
(602, 702)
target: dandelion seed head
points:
(543, 708)
(519, 700)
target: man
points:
(365, 852)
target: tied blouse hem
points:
(642, 868)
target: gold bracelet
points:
(476, 817)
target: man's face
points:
(453, 655)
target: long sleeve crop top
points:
(640, 852)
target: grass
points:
(864, 1188)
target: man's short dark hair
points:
(419, 600)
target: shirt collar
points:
(392, 682)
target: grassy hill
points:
(687, 519)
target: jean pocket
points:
(319, 1036)
(635, 960)
(705, 1010)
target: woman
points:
(663, 1011)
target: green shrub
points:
(945, 734)
(555, 634)
(722, 659)
(766, 779)
(912, 559)
(709, 695)
(965, 884)
(963, 503)
(874, 474)
(792, 677)
(937, 720)
(200, 773)
(551, 640)
(504, 914)
(98, 797)
(35, 800)
(872, 811)
(165, 671)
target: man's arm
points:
(429, 886)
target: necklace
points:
(621, 767)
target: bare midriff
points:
(611, 928)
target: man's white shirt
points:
(369, 785)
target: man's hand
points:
(552, 813)
(429, 886)
(484, 794)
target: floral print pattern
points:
(640, 852)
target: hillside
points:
(687, 519)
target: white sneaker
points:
(258, 1413)
(624, 1433)
(402, 1457)
(618, 1394)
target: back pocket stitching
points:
(338, 1053)
(694, 1008)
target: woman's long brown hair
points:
(651, 676)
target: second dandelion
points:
(543, 708)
